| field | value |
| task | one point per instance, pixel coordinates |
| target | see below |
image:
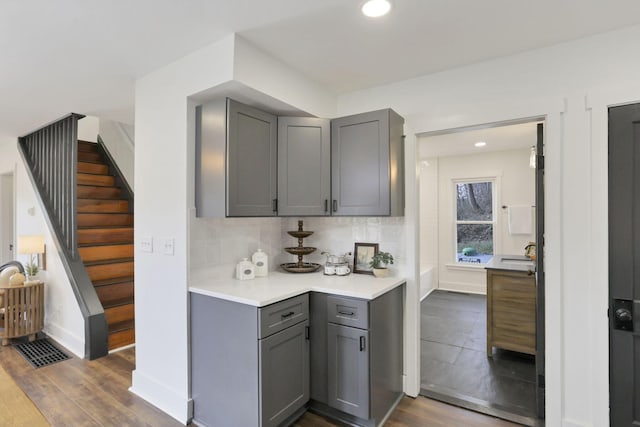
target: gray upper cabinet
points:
(367, 164)
(251, 161)
(304, 166)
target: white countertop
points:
(279, 286)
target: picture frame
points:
(362, 255)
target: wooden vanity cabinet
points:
(511, 311)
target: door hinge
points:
(540, 162)
(541, 381)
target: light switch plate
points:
(146, 244)
(168, 246)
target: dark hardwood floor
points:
(78, 392)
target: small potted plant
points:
(32, 270)
(379, 263)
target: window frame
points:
(494, 215)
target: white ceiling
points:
(84, 55)
(499, 138)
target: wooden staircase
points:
(105, 242)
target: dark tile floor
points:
(454, 360)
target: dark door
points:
(540, 343)
(624, 264)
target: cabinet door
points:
(251, 161)
(304, 166)
(348, 367)
(284, 374)
(360, 164)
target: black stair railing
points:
(51, 156)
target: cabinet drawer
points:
(276, 317)
(348, 311)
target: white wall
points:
(164, 176)
(63, 319)
(118, 138)
(515, 185)
(550, 82)
(429, 230)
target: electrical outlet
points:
(168, 246)
(146, 244)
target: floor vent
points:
(40, 353)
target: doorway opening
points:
(482, 212)
(7, 233)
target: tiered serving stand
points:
(300, 251)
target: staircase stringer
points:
(50, 156)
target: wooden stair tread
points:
(96, 179)
(121, 326)
(114, 294)
(104, 220)
(88, 156)
(112, 281)
(87, 146)
(119, 313)
(105, 235)
(110, 270)
(116, 302)
(122, 338)
(98, 192)
(109, 261)
(93, 168)
(102, 205)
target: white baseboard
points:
(572, 423)
(429, 292)
(469, 288)
(162, 397)
(65, 338)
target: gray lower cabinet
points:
(284, 382)
(356, 356)
(249, 365)
(367, 164)
(348, 382)
(304, 166)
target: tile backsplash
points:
(217, 244)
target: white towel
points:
(520, 219)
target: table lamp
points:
(32, 246)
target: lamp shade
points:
(30, 244)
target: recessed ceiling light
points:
(480, 144)
(376, 8)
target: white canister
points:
(245, 270)
(261, 261)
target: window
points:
(474, 221)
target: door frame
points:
(597, 105)
(14, 196)
(540, 138)
(552, 111)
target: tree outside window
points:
(474, 221)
